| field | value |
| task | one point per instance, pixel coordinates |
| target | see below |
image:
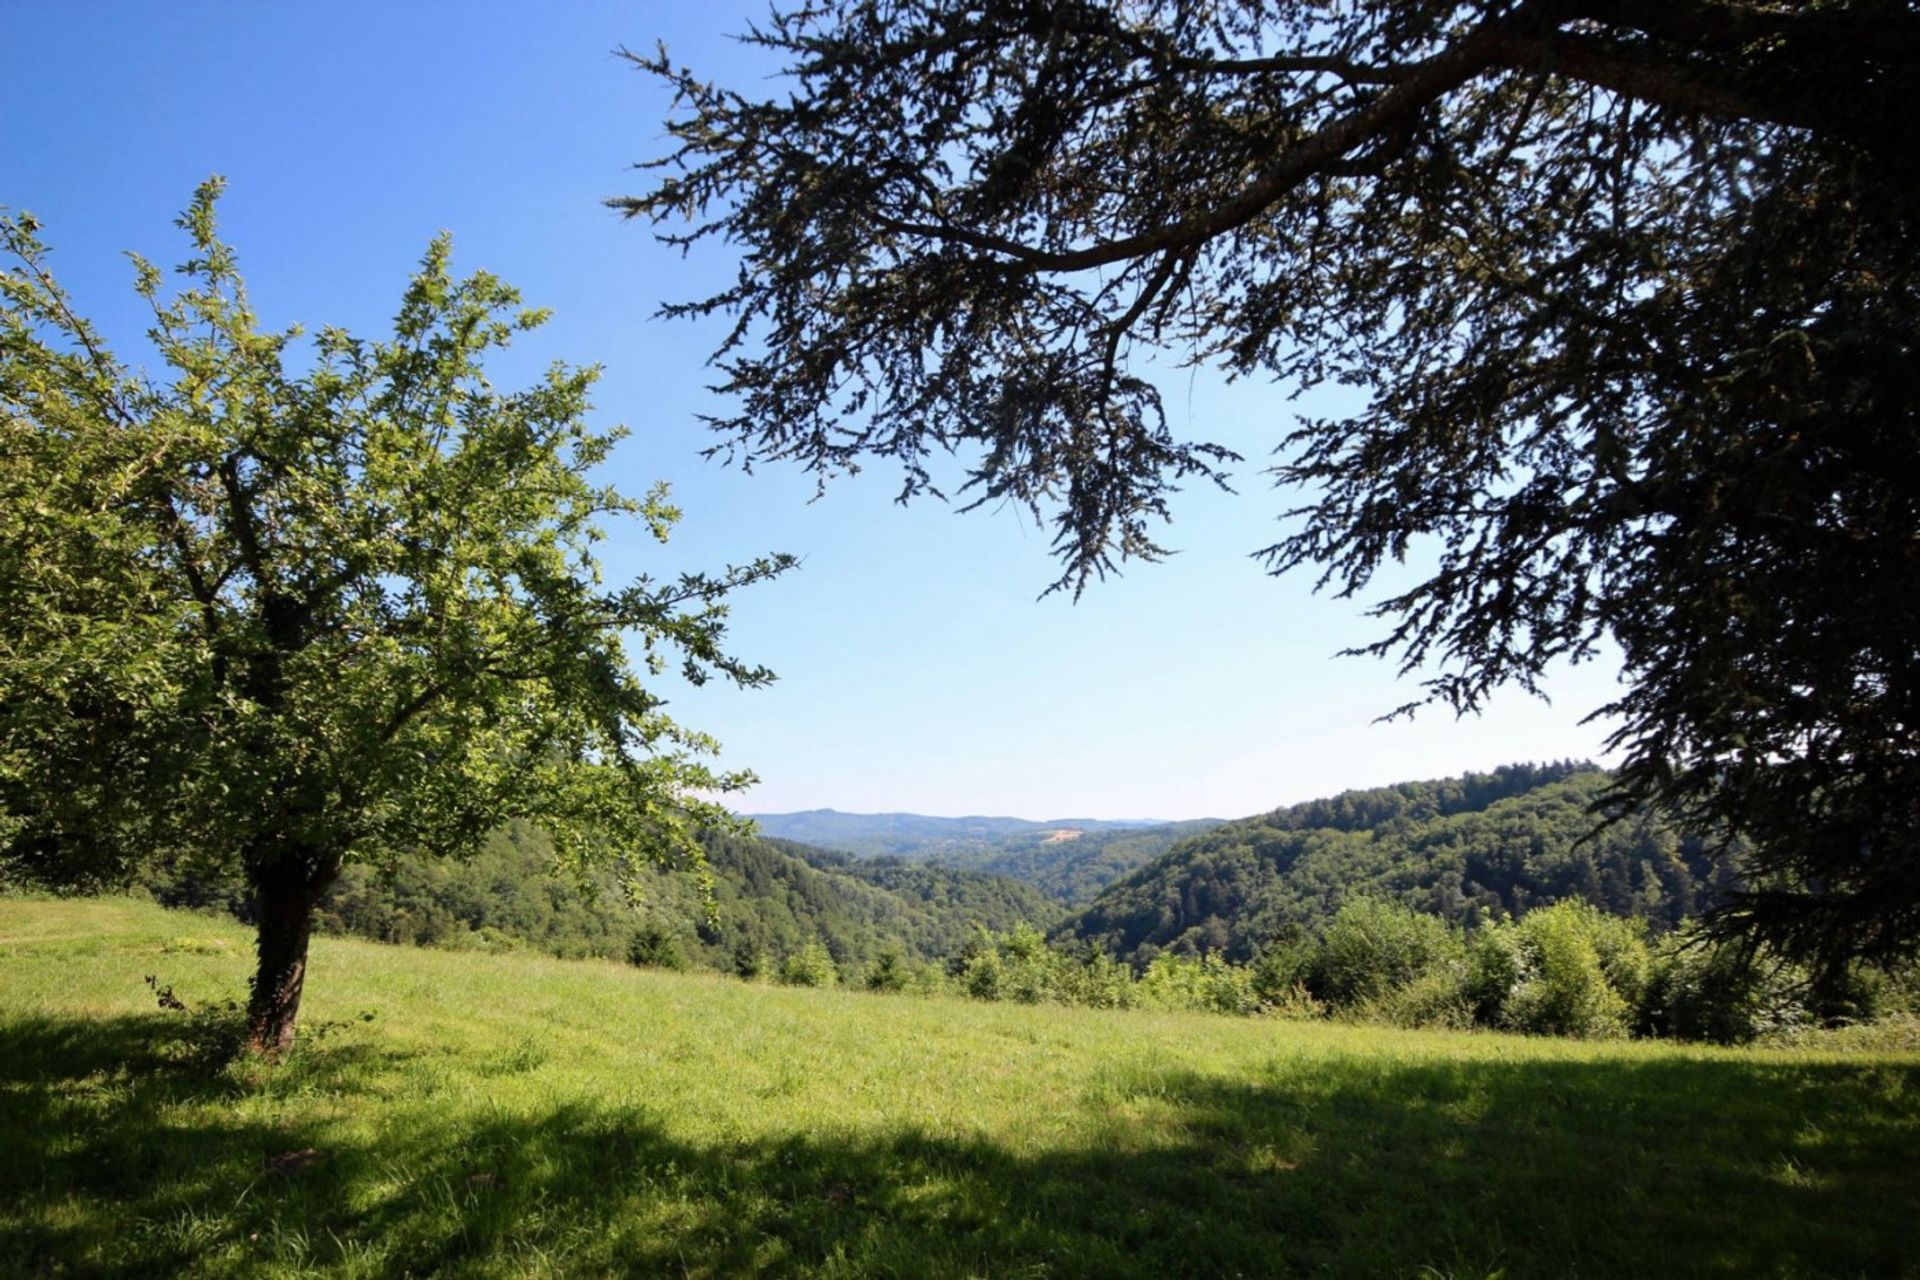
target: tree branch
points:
(1655, 80)
(245, 530)
(1490, 45)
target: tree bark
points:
(284, 896)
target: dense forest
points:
(1486, 900)
(1467, 850)
(921, 837)
(772, 899)
(1075, 871)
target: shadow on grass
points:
(120, 1162)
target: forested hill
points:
(918, 837)
(1461, 848)
(773, 898)
(1073, 871)
(1068, 859)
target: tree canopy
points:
(1469, 851)
(279, 608)
(1627, 291)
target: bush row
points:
(1566, 970)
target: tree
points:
(284, 614)
(1629, 290)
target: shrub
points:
(1295, 1002)
(1496, 966)
(810, 966)
(1096, 982)
(1281, 971)
(1226, 988)
(653, 947)
(1170, 982)
(209, 1037)
(1699, 991)
(1023, 942)
(1625, 959)
(749, 960)
(1371, 947)
(889, 971)
(1441, 998)
(1028, 980)
(1564, 986)
(981, 978)
(1206, 985)
(1027, 966)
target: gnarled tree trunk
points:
(285, 893)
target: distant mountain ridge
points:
(1068, 859)
(914, 835)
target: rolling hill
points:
(771, 897)
(1462, 848)
(917, 836)
(1068, 859)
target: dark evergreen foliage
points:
(1630, 289)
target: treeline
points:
(1073, 872)
(771, 899)
(775, 898)
(1468, 851)
(810, 917)
(1070, 871)
(1566, 970)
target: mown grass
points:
(505, 1115)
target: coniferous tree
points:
(1629, 288)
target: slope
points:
(1461, 848)
(770, 898)
(1073, 871)
(1069, 859)
(502, 1116)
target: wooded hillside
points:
(772, 897)
(1465, 849)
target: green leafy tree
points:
(1370, 948)
(1565, 970)
(890, 970)
(811, 966)
(1627, 290)
(281, 609)
(654, 946)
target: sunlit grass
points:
(506, 1115)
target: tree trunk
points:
(284, 896)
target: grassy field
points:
(459, 1114)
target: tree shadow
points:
(1352, 1166)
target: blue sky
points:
(918, 671)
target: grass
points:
(462, 1114)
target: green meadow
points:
(501, 1115)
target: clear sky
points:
(918, 671)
